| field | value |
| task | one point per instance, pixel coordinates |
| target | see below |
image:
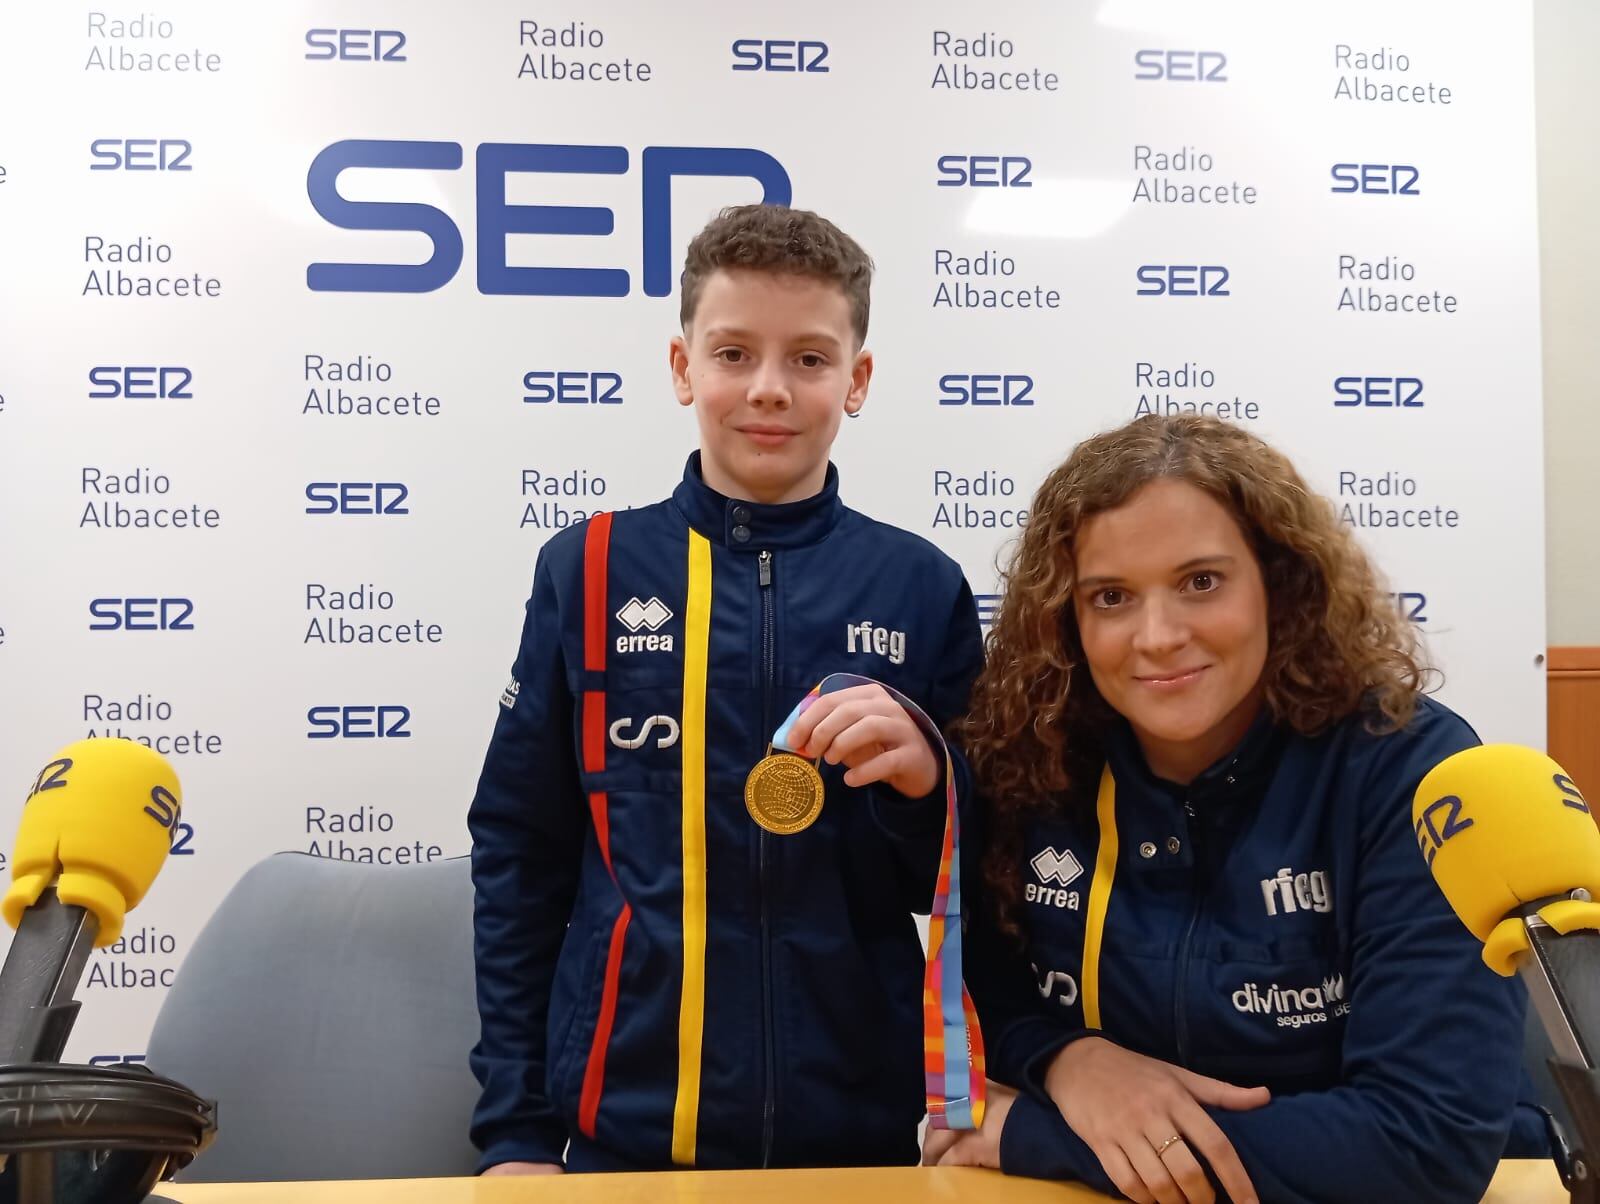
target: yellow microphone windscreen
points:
(100, 815)
(1503, 825)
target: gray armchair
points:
(328, 1008)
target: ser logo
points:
(1183, 280)
(139, 383)
(1413, 606)
(1571, 796)
(573, 388)
(387, 722)
(985, 171)
(357, 497)
(1441, 821)
(356, 45)
(130, 1059)
(166, 811)
(52, 777)
(1181, 66)
(1384, 179)
(141, 614)
(496, 218)
(780, 54)
(986, 389)
(140, 154)
(1380, 392)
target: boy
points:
(662, 982)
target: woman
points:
(1197, 738)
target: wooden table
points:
(1522, 1182)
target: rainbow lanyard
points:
(952, 1045)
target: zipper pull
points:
(764, 567)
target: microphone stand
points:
(42, 970)
(1562, 974)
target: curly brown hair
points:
(1336, 641)
(778, 239)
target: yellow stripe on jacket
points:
(1105, 869)
(692, 1008)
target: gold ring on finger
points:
(1168, 1144)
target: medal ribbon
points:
(952, 1045)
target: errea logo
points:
(650, 615)
(1050, 866)
(636, 614)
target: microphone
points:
(1512, 844)
(1503, 826)
(96, 828)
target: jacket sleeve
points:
(1432, 1047)
(1039, 1144)
(915, 827)
(527, 822)
(1020, 1038)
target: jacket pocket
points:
(574, 1013)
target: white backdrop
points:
(1280, 143)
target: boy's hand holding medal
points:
(861, 727)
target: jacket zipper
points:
(768, 672)
(1180, 994)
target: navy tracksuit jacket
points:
(658, 979)
(1271, 924)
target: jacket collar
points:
(1238, 777)
(754, 526)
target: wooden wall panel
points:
(1573, 693)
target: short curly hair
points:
(783, 241)
(1336, 642)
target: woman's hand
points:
(972, 1147)
(524, 1168)
(1144, 1120)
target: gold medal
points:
(783, 793)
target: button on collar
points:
(775, 525)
